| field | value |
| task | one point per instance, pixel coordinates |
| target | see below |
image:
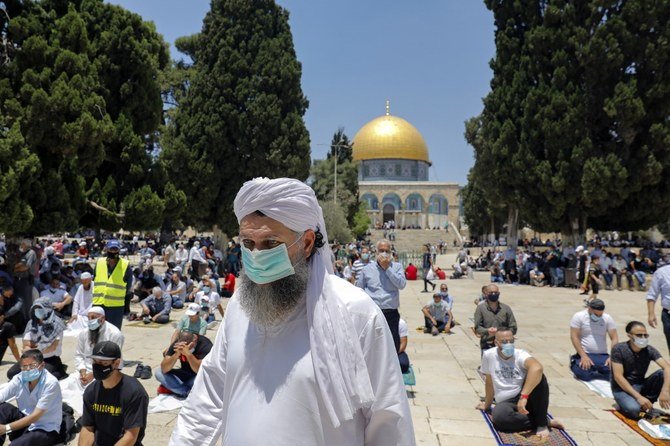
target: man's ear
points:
(309, 239)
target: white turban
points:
(339, 366)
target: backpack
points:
(68, 427)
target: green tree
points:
(336, 222)
(242, 113)
(80, 99)
(480, 215)
(323, 176)
(362, 221)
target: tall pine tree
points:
(242, 114)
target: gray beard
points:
(269, 305)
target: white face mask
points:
(641, 342)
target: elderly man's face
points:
(261, 232)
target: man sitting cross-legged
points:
(520, 388)
(630, 361)
(588, 332)
(437, 316)
(189, 349)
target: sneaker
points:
(426, 330)
(162, 390)
(433, 287)
(146, 320)
(435, 331)
(138, 370)
(146, 372)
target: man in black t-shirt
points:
(115, 405)
(189, 349)
(630, 361)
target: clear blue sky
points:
(429, 57)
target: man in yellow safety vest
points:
(113, 278)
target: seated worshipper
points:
(411, 272)
(482, 297)
(446, 298)
(146, 282)
(496, 273)
(189, 349)
(403, 359)
(588, 332)
(7, 333)
(44, 332)
(630, 360)
(115, 405)
(99, 330)
(491, 316)
(13, 303)
(155, 308)
(639, 267)
(36, 418)
(437, 316)
(176, 288)
(191, 322)
(519, 386)
(285, 340)
(536, 277)
(209, 300)
(83, 301)
(228, 284)
(59, 298)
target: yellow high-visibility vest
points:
(110, 291)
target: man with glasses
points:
(37, 416)
(519, 386)
(115, 405)
(633, 392)
(383, 280)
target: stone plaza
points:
(448, 386)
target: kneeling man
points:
(520, 388)
(633, 392)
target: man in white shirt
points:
(98, 330)
(437, 316)
(588, 332)
(82, 303)
(181, 256)
(521, 391)
(37, 416)
(402, 355)
(302, 357)
(209, 300)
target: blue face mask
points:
(206, 289)
(93, 324)
(268, 265)
(595, 318)
(40, 313)
(508, 350)
(30, 375)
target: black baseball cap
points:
(597, 304)
(106, 351)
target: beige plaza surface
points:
(448, 387)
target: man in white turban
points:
(302, 357)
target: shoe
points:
(435, 331)
(146, 372)
(138, 370)
(426, 330)
(425, 291)
(433, 287)
(162, 390)
(146, 320)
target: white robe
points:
(82, 303)
(258, 386)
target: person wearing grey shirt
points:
(156, 307)
(492, 315)
(382, 281)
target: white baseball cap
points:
(192, 309)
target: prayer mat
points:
(599, 386)
(557, 437)
(633, 425)
(141, 323)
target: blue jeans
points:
(403, 359)
(609, 277)
(556, 276)
(497, 279)
(650, 389)
(597, 371)
(177, 381)
(641, 277)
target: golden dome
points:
(389, 137)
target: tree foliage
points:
(241, 115)
(575, 132)
(336, 222)
(80, 107)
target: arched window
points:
(438, 205)
(392, 199)
(371, 201)
(414, 202)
